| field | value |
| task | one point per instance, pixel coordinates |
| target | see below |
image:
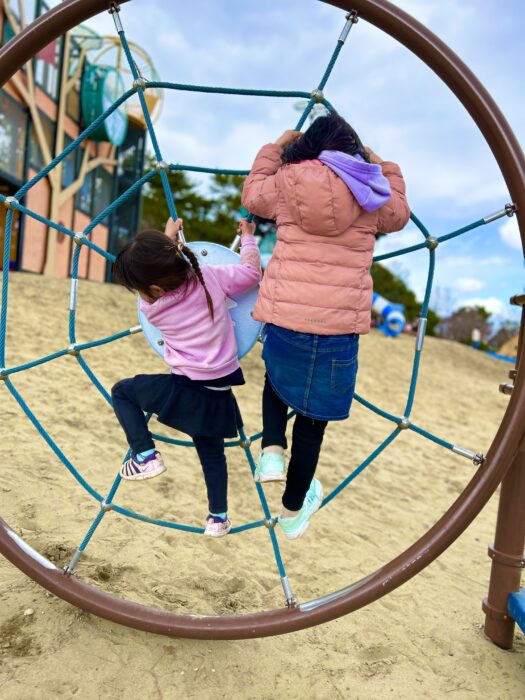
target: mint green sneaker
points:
(295, 527)
(270, 467)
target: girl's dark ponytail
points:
(188, 253)
(327, 133)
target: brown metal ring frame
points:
(509, 439)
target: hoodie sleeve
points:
(234, 279)
(259, 195)
(394, 215)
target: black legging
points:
(129, 406)
(307, 438)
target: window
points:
(84, 196)
(13, 125)
(46, 63)
(69, 164)
(102, 190)
(36, 158)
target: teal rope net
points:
(76, 349)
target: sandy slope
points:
(423, 640)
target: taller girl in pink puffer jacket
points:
(329, 196)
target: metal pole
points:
(507, 552)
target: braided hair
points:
(327, 133)
(153, 259)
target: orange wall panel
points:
(97, 264)
(35, 233)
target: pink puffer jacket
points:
(318, 279)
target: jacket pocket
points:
(343, 376)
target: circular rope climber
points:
(490, 471)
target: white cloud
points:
(510, 234)
(468, 284)
(496, 307)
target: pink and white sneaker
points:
(217, 527)
(133, 470)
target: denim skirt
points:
(313, 374)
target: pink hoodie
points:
(194, 345)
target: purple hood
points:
(365, 180)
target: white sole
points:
(141, 477)
(222, 534)
(263, 478)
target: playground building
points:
(43, 108)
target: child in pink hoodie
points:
(330, 196)
(188, 304)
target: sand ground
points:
(424, 640)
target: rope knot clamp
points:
(79, 238)
(105, 506)
(318, 95)
(139, 83)
(270, 523)
(404, 423)
(161, 165)
(72, 350)
(3, 374)
(432, 243)
(245, 444)
(10, 202)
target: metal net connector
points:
(506, 389)
(353, 17)
(478, 460)
(510, 209)
(139, 83)
(3, 374)
(69, 569)
(10, 202)
(135, 329)
(114, 11)
(105, 506)
(245, 444)
(404, 424)
(270, 523)
(291, 600)
(72, 350)
(80, 238)
(432, 243)
(162, 165)
(317, 95)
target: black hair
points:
(154, 259)
(327, 133)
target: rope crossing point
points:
(75, 349)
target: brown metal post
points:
(508, 557)
(507, 552)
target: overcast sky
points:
(400, 108)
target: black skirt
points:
(189, 406)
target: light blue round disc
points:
(240, 306)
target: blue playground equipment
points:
(391, 316)
(240, 306)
